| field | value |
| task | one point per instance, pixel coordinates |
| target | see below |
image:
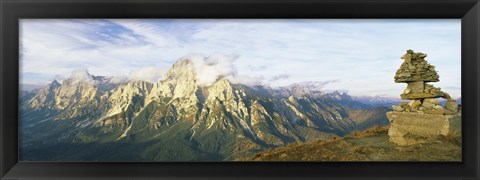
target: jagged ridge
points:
(175, 119)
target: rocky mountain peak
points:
(139, 85)
(55, 83)
(83, 77)
(79, 89)
(298, 90)
(183, 69)
(221, 89)
(80, 76)
(44, 97)
(222, 83)
(337, 96)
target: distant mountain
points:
(377, 100)
(92, 118)
(297, 89)
(25, 95)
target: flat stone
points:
(407, 128)
(412, 96)
(405, 74)
(435, 111)
(397, 108)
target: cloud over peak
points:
(150, 74)
(209, 68)
(81, 75)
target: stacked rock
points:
(417, 72)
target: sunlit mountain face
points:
(93, 118)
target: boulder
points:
(451, 105)
(437, 107)
(405, 105)
(416, 87)
(428, 104)
(414, 103)
(431, 100)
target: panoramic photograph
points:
(216, 90)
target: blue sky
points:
(357, 56)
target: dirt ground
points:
(369, 145)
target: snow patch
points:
(247, 128)
(124, 133)
(193, 134)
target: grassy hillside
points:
(369, 145)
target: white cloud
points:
(81, 75)
(316, 85)
(150, 32)
(362, 54)
(119, 79)
(150, 74)
(279, 77)
(209, 68)
(248, 80)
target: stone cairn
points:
(423, 119)
(417, 73)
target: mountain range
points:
(94, 118)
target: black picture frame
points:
(13, 10)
